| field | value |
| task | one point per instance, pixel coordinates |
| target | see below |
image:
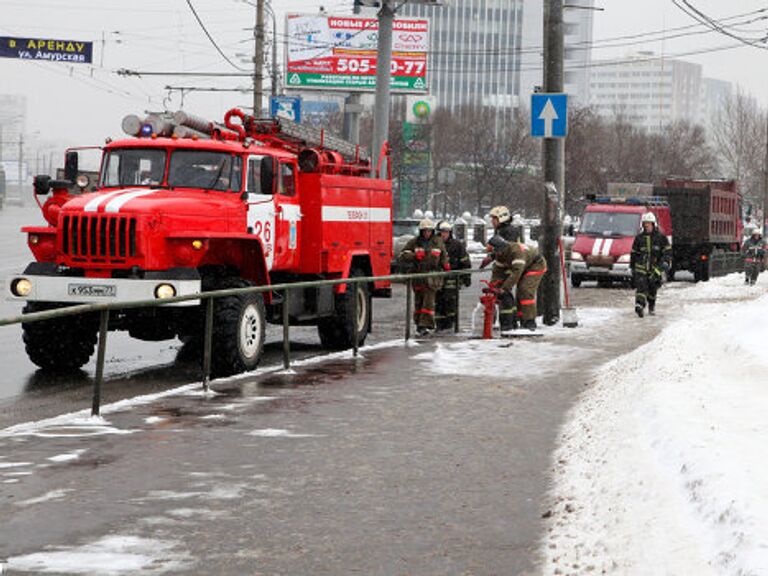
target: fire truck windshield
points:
(204, 169)
(610, 223)
(133, 167)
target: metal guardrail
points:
(209, 298)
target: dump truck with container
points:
(185, 205)
(707, 224)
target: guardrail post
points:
(103, 329)
(458, 304)
(286, 330)
(207, 343)
(408, 306)
(354, 318)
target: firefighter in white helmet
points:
(509, 229)
(651, 256)
(753, 251)
(425, 253)
(446, 305)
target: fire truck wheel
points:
(575, 281)
(238, 330)
(337, 333)
(62, 344)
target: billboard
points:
(339, 53)
(48, 49)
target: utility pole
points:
(765, 182)
(352, 109)
(258, 59)
(383, 77)
(552, 162)
(274, 54)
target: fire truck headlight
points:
(624, 259)
(21, 287)
(577, 256)
(163, 291)
(197, 244)
(82, 181)
(34, 239)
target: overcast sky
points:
(84, 104)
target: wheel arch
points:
(244, 256)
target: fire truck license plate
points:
(92, 290)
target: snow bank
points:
(662, 466)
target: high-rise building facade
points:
(475, 51)
(648, 91)
(490, 52)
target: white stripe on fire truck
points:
(93, 205)
(117, 203)
(606, 251)
(596, 246)
(290, 212)
(355, 214)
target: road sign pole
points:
(552, 161)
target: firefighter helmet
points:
(444, 226)
(426, 224)
(501, 212)
(649, 217)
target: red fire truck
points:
(188, 205)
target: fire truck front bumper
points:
(79, 290)
(584, 271)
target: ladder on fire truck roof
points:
(313, 137)
(276, 131)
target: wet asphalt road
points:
(379, 465)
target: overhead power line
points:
(199, 21)
(718, 26)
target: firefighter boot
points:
(639, 310)
(508, 322)
(651, 308)
(530, 324)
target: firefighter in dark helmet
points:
(447, 302)
(650, 258)
(425, 253)
(516, 264)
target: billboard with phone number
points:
(339, 53)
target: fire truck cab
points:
(188, 205)
(603, 244)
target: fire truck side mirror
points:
(71, 166)
(42, 184)
(268, 170)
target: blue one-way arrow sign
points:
(549, 115)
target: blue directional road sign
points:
(285, 107)
(549, 115)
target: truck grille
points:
(99, 238)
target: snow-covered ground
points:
(662, 467)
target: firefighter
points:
(516, 265)
(753, 252)
(447, 301)
(651, 255)
(425, 253)
(511, 231)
